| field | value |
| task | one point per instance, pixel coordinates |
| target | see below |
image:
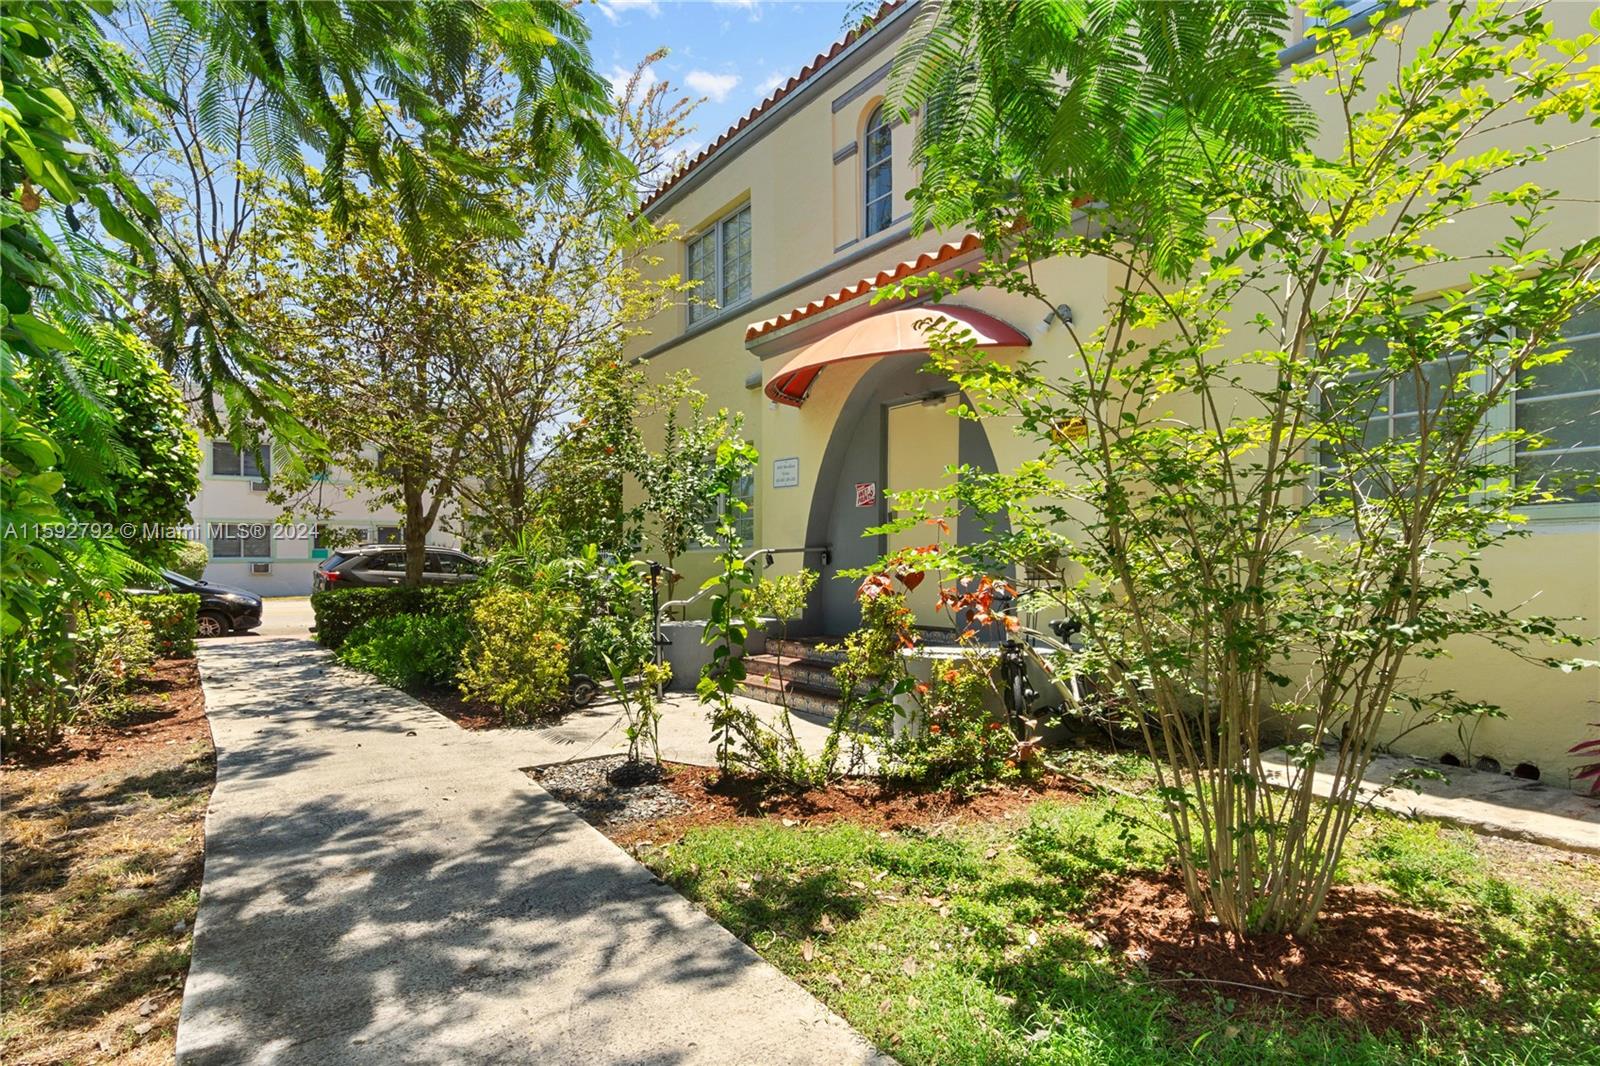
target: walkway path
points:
(1495, 804)
(382, 886)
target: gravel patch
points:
(588, 788)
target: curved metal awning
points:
(898, 331)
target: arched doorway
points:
(896, 428)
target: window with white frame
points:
(744, 523)
(877, 156)
(1385, 406)
(331, 538)
(719, 259)
(229, 461)
(241, 540)
(1560, 402)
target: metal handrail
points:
(826, 551)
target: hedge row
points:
(171, 616)
(338, 611)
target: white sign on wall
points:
(785, 473)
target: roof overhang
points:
(897, 331)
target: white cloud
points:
(613, 10)
(770, 84)
(619, 79)
(714, 86)
(752, 8)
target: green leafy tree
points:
(1250, 563)
(580, 268)
(384, 350)
(682, 490)
(73, 216)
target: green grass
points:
(962, 945)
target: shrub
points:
(113, 647)
(957, 743)
(784, 597)
(189, 558)
(409, 651)
(514, 660)
(37, 700)
(171, 618)
(338, 611)
(1588, 749)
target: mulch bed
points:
(712, 798)
(1371, 959)
(170, 712)
(464, 713)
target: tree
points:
(1249, 562)
(579, 264)
(679, 480)
(383, 350)
(73, 217)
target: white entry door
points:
(922, 446)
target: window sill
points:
(717, 318)
(1561, 517)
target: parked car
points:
(384, 565)
(223, 610)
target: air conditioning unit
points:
(261, 568)
(258, 486)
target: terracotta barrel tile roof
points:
(924, 262)
(806, 73)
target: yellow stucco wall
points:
(806, 220)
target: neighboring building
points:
(797, 214)
(252, 547)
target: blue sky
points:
(732, 52)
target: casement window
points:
(387, 535)
(719, 259)
(241, 540)
(877, 156)
(1561, 403)
(744, 524)
(1383, 405)
(228, 461)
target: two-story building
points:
(795, 216)
(254, 545)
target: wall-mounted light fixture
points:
(1062, 314)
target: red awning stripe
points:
(897, 331)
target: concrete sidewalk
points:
(382, 886)
(1494, 804)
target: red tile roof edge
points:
(926, 261)
(806, 73)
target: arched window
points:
(878, 158)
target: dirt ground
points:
(1371, 959)
(104, 848)
(715, 798)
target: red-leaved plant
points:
(1591, 770)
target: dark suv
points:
(384, 565)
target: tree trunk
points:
(416, 534)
